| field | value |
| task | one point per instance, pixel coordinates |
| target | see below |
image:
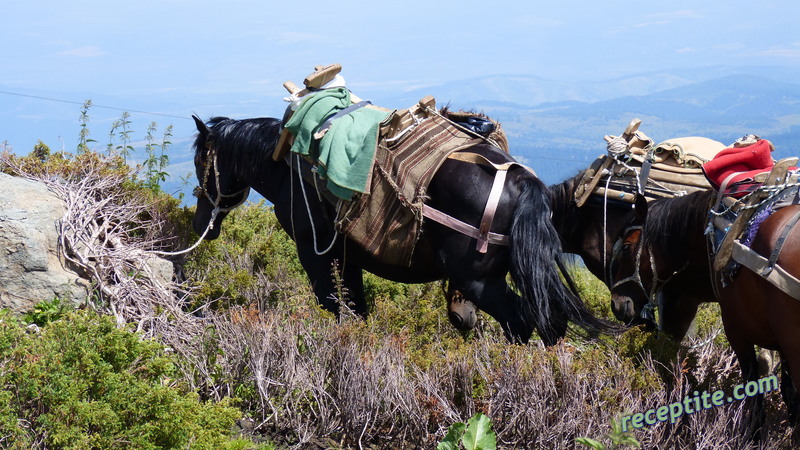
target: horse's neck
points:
(566, 217)
(687, 249)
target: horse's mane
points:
(673, 225)
(565, 211)
(248, 142)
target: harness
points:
(648, 312)
(202, 190)
(731, 248)
(482, 234)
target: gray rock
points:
(31, 267)
(31, 270)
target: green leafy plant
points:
(123, 125)
(84, 140)
(617, 437)
(48, 311)
(476, 434)
(155, 164)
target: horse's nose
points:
(461, 312)
(623, 309)
(463, 320)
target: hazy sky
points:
(150, 46)
(167, 49)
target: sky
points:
(165, 60)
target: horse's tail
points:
(535, 248)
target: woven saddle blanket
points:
(374, 164)
(387, 222)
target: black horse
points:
(590, 230)
(233, 155)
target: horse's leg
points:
(748, 364)
(328, 285)
(789, 393)
(353, 279)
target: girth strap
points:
(462, 227)
(483, 235)
(776, 251)
(779, 277)
(490, 209)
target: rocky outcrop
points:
(31, 270)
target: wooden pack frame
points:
(676, 168)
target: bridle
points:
(648, 311)
(202, 190)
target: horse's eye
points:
(626, 247)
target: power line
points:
(550, 158)
(93, 105)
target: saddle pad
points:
(387, 222)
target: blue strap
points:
(342, 112)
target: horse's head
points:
(219, 189)
(630, 271)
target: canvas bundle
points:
(674, 167)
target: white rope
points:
(311, 218)
(214, 202)
(605, 228)
(617, 146)
(210, 225)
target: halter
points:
(198, 191)
(211, 155)
(656, 283)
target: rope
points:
(215, 202)
(606, 267)
(617, 146)
(311, 218)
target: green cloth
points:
(345, 153)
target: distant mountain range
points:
(560, 137)
(556, 127)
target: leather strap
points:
(493, 201)
(722, 188)
(778, 277)
(490, 209)
(476, 158)
(644, 174)
(462, 227)
(776, 250)
(326, 124)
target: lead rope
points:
(311, 218)
(215, 202)
(606, 267)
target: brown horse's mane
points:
(565, 211)
(673, 225)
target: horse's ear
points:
(201, 126)
(640, 206)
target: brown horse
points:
(590, 232)
(664, 247)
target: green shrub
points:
(84, 383)
(252, 248)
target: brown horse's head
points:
(630, 271)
